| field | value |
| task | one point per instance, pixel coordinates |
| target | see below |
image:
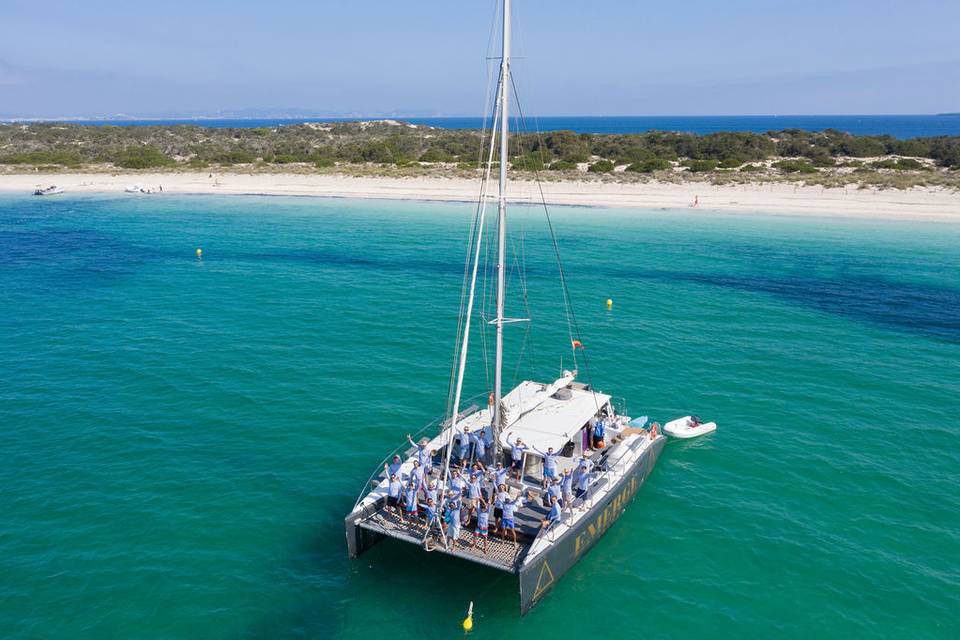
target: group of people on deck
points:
(478, 492)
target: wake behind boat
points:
(528, 483)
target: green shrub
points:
(795, 166)
(886, 163)
(322, 162)
(236, 156)
(562, 165)
(700, 166)
(142, 157)
(62, 157)
(751, 168)
(649, 166)
(529, 162)
(601, 166)
(730, 163)
(909, 164)
(823, 161)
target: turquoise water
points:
(181, 438)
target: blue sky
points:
(427, 57)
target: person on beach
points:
(410, 500)
(517, 449)
(394, 489)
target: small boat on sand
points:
(688, 427)
(48, 191)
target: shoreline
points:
(919, 203)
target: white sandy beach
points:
(930, 204)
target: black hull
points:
(538, 577)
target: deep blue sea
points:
(899, 126)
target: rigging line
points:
(462, 360)
(572, 323)
(572, 327)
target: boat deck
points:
(503, 554)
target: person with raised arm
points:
(483, 525)
(509, 509)
(394, 489)
(423, 453)
(517, 449)
(549, 462)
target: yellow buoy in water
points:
(609, 303)
(468, 621)
(199, 252)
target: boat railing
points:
(619, 405)
(440, 423)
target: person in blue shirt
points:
(416, 473)
(599, 430)
(479, 446)
(499, 475)
(517, 449)
(456, 482)
(393, 467)
(509, 509)
(452, 517)
(554, 491)
(500, 495)
(566, 487)
(423, 453)
(430, 490)
(483, 525)
(410, 500)
(549, 462)
(473, 496)
(554, 516)
(430, 509)
(394, 489)
(582, 483)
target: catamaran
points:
(541, 429)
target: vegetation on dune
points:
(380, 146)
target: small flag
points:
(577, 344)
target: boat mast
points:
(502, 221)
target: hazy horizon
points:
(427, 59)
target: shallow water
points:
(183, 437)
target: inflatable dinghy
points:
(688, 427)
